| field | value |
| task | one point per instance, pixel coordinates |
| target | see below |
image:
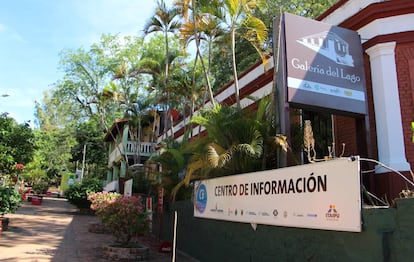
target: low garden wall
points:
(388, 235)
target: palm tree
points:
(233, 145)
(127, 91)
(193, 29)
(164, 21)
(182, 162)
(235, 140)
(187, 92)
(140, 114)
(237, 15)
(153, 64)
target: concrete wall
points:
(388, 235)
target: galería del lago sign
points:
(324, 195)
(334, 72)
(324, 66)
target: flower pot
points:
(36, 201)
(4, 224)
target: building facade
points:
(386, 29)
(127, 150)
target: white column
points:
(390, 140)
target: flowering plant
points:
(20, 167)
(100, 200)
(10, 200)
(125, 217)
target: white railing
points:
(146, 149)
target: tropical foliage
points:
(158, 73)
(235, 142)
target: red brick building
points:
(387, 34)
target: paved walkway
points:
(56, 231)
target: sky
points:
(34, 32)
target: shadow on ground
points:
(56, 231)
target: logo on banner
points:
(201, 198)
(332, 213)
(329, 45)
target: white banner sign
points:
(324, 195)
(128, 188)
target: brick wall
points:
(405, 72)
(389, 185)
(345, 132)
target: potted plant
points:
(40, 188)
(9, 202)
(99, 201)
(125, 218)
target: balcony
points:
(130, 149)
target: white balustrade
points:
(146, 148)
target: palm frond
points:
(254, 148)
(218, 156)
(194, 171)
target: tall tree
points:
(17, 144)
(54, 152)
(153, 63)
(54, 112)
(193, 29)
(164, 21)
(238, 15)
(85, 75)
(91, 148)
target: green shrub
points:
(9, 200)
(40, 187)
(77, 194)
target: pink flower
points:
(125, 217)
